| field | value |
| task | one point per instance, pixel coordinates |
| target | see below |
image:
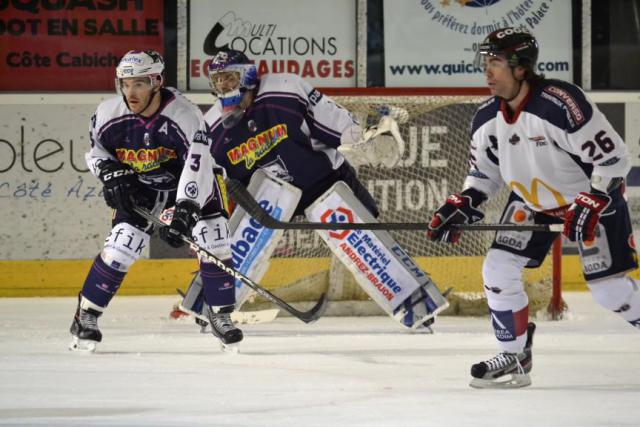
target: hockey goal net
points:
(435, 127)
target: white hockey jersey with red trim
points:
(547, 151)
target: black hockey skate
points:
(85, 329)
(222, 327)
(506, 370)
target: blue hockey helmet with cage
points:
(233, 61)
(245, 77)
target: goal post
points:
(434, 124)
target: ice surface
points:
(153, 371)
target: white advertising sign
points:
(316, 40)
(51, 205)
(432, 43)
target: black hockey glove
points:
(458, 209)
(582, 218)
(120, 185)
(185, 216)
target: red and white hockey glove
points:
(583, 216)
(458, 209)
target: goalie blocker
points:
(380, 266)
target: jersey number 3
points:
(602, 143)
(195, 164)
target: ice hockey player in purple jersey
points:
(139, 143)
(283, 139)
(564, 163)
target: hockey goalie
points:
(285, 141)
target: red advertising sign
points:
(73, 45)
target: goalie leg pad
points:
(252, 244)
(193, 299)
(379, 265)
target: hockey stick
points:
(251, 206)
(306, 316)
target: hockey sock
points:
(510, 328)
(218, 286)
(620, 295)
(101, 283)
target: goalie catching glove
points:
(377, 145)
(185, 217)
(582, 218)
(458, 209)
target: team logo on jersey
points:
(255, 148)
(533, 197)
(145, 159)
(515, 139)
(191, 190)
(251, 124)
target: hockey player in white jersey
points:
(282, 139)
(564, 163)
(139, 143)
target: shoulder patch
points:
(572, 106)
(314, 96)
(200, 137)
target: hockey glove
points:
(582, 218)
(120, 185)
(458, 209)
(376, 145)
(185, 216)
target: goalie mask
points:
(231, 74)
(517, 46)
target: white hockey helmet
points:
(140, 63)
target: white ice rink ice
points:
(152, 371)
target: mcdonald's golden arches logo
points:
(532, 196)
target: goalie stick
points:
(249, 204)
(306, 316)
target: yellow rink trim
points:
(162, 277)
(146, 277)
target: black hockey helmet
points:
(516, 45)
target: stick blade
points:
(316, 311)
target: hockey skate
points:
(222, 327)
(84, 329)
(506, 370)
